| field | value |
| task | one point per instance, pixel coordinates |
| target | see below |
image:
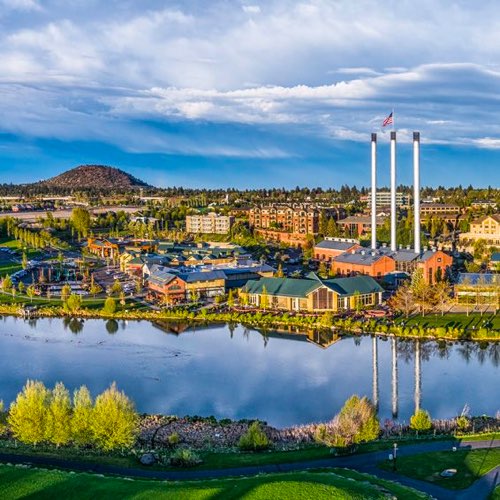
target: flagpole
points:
(393, 119)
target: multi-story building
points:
(428, 210)
(332, 247)
(357, 225)
(383, 199)
(209, 224)
(299, 218)
(486, 228)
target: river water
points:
(236, 372)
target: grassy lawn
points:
(470, 465)
(496, 494)
(211, 460)
(452, 319)
(21, 482)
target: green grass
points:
(496, 494)
(452, 320)
(21, 482)
(211, 460)
(470, 465)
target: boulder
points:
(148, 459)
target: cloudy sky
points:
(249, 94)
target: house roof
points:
(291, 287)
(284, 287)
(335, 245)
(350, 286)
(197, 276)
(362, 258)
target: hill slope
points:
(94, 177)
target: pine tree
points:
(114, 420)
(58, 430)
(81, 420)
(28, 413)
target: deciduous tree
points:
(58, 429)
(28, 413)
(81, 420)
(114, 420)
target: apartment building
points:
(299, 218)
(209, 224)
(486, 228)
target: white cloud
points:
(23, 5)
(251, 9)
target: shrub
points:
(420, 421)
(254, 439)
(109, 306)
(185, 457)
(463, 423)
(173, 439)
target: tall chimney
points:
(374, 191)
(416, 188)
(393, 191)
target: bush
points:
(109, 306)
(173, 439)
(254, 439)
(420, 421)
(185, 457)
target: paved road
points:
(364, 463)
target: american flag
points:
(387, 121)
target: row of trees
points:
(417, 295)
(41, 415)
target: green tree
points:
(109, 306)
(3, 418)
(264, 298)
(279, 272)
(332, 228)
(31, 292)
(28, 413)
(20, 287)
(357, 422)
(94, 288)
(24, 262)
(230, 298)
(254, 439)
(73, 303)
(114, 420)
(58, 429)
(65, 292)
(81, 420)
(420, 289)
(323, 270)
(80, 218)
(420, 421)
(116, 288)
(7, 284)
(403, 300)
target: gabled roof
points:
(292, 287)
(284, 287)
(495, 217)
(350, 286)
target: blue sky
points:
(246, 93)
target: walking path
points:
(366, 462)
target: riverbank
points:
(448, 327)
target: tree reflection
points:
(75, 325)
(112, 326)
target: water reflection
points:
(236, 372)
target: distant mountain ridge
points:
(94, 177)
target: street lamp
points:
(395, 454)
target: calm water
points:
(239, 373)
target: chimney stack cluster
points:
(416, 190)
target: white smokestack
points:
(393, 191)
(374, 191)
(416, 188)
